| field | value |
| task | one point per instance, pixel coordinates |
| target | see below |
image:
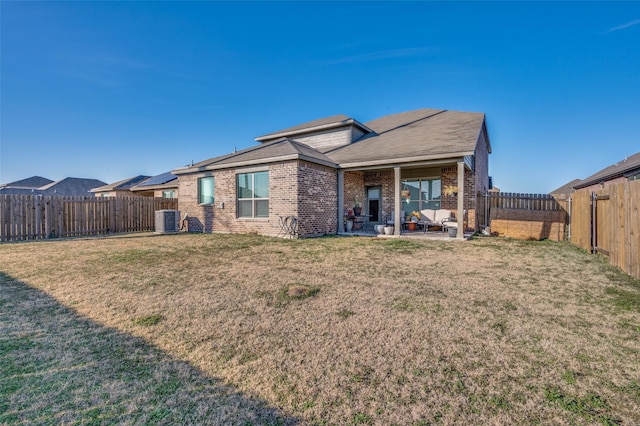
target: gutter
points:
(408, 161)
(256, 162)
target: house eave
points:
(256, 162)
(154, 187)
(606, 178)
(425, 160)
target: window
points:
(420, 194)
(205, 190)
(253, 194)
(169, 194)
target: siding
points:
(326, 139)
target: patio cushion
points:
(435, 216)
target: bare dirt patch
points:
(365, 331)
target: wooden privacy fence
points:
(35, 217)
(525, 216)
(607, 221)
(509, 200)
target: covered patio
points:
(414, 195)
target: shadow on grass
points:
(57, 367)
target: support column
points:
(397, 202)
(460, 213)
(340, 227)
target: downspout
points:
(460, 214)
(486, 209)
(340, 227)
(396, 201)
(570, 216)
(594, 236)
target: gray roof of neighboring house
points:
(269, 152)
(12, 190)
(71, 186)
(621, 168)
(160, 179)
(426, 133)
(313, 126)
(31, 182)
(567, 188)
(121, 185)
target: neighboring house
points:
(164, 185)
(565, 189)
(34, 182)
(627, 169)
(28, 186)
(67, 186)
(71, 187)
(120, 188)
(399, 163)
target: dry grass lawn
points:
(242, 329)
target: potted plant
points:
(357, 207)
(413, 220)
(450, 190)
(348, 225)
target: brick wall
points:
(317, 195)
(353, 188)
(383, 179)
(528, 224)
(315, 187)
(355, 184)
(450, 202)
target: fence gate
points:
(600, 212)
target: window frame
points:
(213, 190)
(252, 199)
(422, 202)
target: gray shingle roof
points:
(11, 190)
(121, 185)
(269, 152)
(425, 133)
(421, 134)
(71, 186)
(567, 188)
(31, 182)
(613, 171)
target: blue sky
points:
(109, 90)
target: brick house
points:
(622, 171)
(315, 171)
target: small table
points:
(358, 222)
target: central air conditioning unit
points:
(167, 221)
